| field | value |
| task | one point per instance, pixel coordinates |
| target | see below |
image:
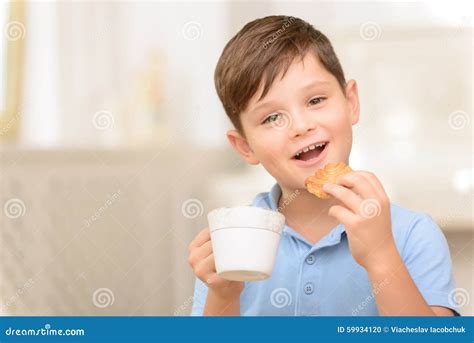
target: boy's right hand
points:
(201, 259)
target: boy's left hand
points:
(365, 215)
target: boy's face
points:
(306, 107)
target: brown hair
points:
(259, 52)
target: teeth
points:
(311, 147)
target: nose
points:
(301, 124)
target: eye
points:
(316, 100)
(272, 118)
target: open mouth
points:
(311, 152)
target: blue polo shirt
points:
(324, 279)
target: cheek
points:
(340, 128)
(339, 121)
(269, 147)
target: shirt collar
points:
(332, 238)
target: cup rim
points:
(247, 207)
(275, 216)
(246, 227)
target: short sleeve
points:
(427, 258)
(199, 298)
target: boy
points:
(283, 88)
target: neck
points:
(304, 211)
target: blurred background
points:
(113, 148)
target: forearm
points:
(221, 306)
(395, 291)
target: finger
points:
(358, 184)
(205, 267)
(342, 214)
(345, 195)
(200, 253)
(212, 278)
(202, 237)
(377, 185)
(215, 280)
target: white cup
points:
(245, 241)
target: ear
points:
(352, 97)
(239, 143)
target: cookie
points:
(329, 174)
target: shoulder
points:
(410, 227)
(404, 220)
